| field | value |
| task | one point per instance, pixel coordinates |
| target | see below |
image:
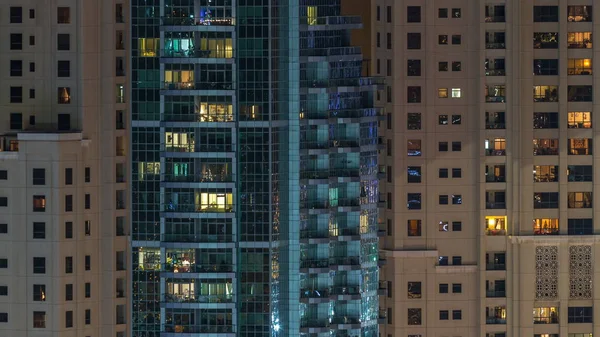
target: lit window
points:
(545, 226)
(495, 225)
(579, 120)
(456, 93)
(179, 79)
(148, 47)
(443, 93)
(214, 202)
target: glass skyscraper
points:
(254, 163)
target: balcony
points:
(314, 323)
(214, 328)
(330, 20)
(197, 298)
(336, 51)
(196, 238)
(315, 293)
(495, 266)
(495, 225)
(318, 263)
(344, 261)
(197, 86)
(342, 82)
(495, 205)
(495, 293)
(191, 21)
(495, 320)
(197, 53)
(223, 267)
(348, 290)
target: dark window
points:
(442, 39)
(456, 173)
(63, 42)
(32, 40)
(16, 68)
(389, 203)
(413, 41)
(580, 173)
(3, 317)
(389, 14)
(31, 120)
(413, 68)
(579, 93)
(3, 201)
(443, 146)
(64, 122)
(580, 314)
(68, 230)
(389, 67)
(16, 121)
(88, 262)
(3, 174)
(443, 288)
(545, 13)
(456, 199)
(88, 201)
(414, 316)
(443, 199)
(378, 39)
(32, 13)
(32, 67)
(413, 94)
(457, 260)
(495, 40)
(3, 228)
(414, 174)
(3, 290)
(63, 15)
(68, 292)
(39, 319)
(32, 94)
(39, 176)
(378, 13)
(87, 175)
(443, 173)
(579, 13)
(39, 265)
(64, 69)
(443, 66)
(68, 176)
(456, 39)
(39, 292)
(545, 67)
(88, 290)
(456, 146)
(542, 200)
(388, 40)
(414, 290)
(16, 94)
(413, 14)
(88, 316)
(443, 13)
(69, 319)
(457, 314)
(69, 203)
(39, 230)
(456, 66)
(443, 260)
(413, 121)
(16, 41)
(457, 288)
(69, 265)
(545, 120)
(443, 315)
(456, 226)
(413, 200)
(16, 15)
(456, 13)
(3, 263)
(580, 226)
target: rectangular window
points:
(545, 173)
(457, 315)
(442, 13)
(443, 315)
(580, 314)
(579, 120)
(3, 174)
(545, 67)
(495, 67)
(16, 121)
(3, 201)
(456, 66)
(39, 265)
(88, 201)
(456, 199)
(68, 176)
(545, 13)
(545, 40)
(545, 147)
(579, 199)
(3, 290)
(413, 41)
(413, 68)
(456, 226)
(580, 146)
(495, 13)
(64, 69)
(87, 227)
(63, 15)
(87, 175)
(68, 292)
(414, 174)
(88, 262)
(414, 316)
(64, 95)
(580, 173)
(456, 39)
(545, 120)
(414, 201)
(16, 94)
(69, 203)
(389, 14)
(414, 290)
(69, 319)
(495, 40)
(39, 176)
(16, 14)
(456, 173)
(414, 227)
(39, 319)
(69, 265)
(388, 40)
(63, 42)
(16, 68)
(39, 292)
(32, 40)
(88, 316)
(579, 66)
(545, 93)
(545, 200)
(443, 199)
(68, 230)
(456, 146)
(443, 173)
(3, 317)
(39, 230)
(3, 228)
(16, 41)
(443, 288)
(579, 13)
(580, 226)
(39, 203)
(413, 147)
(88, 290)
(413, 121)
(413, 14)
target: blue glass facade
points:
(254, 165)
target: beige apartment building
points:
(489, 168)
(63, 180)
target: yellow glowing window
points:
(148, 47)
(495, 225)
(580, 120)
(545, 315)
(221, 48)
(215, 202)
(145, 168)
(545, 226)
(579, 40)
(311, 15)
(179, 76)
(211, 112)
(443, 93)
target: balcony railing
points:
(196, 53)
(495, 72)
(196, 238)
(314, 293)
(336, 51)
(210, 327)
(344, 261)
(495, 266)
(495, 232)
(193, 268)
(495, 179)
(495, 99)
(177, 298)
(197, 86)
(314, 323)
(331, 20)
(495, 293)
(494, 152)
(319, 263)
(545, 151)
(495, 320)
(343, 82)
(349, 290)
(495, 205)
(188, 21)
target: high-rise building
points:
(63, 136)
(254, 162)
(489, 213)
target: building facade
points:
(489, 213)
(254, 171)
(63, 181)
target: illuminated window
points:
(214, 202)
(579, 200)
(443, 93)
(311, 15)
(545, 93)
(39, 203)
(545, 315)
(414, 227)
(148, 47)
(545, 173)
(495, 225)
(579, 67)
(179, 141)
(545, 226)
(495, 147)
(147, 259)
(213, 112)
(216, 47)
(579, 120)
(179, 79)
(456, 93)
(151, 168)
(580, 146)
(579, 40)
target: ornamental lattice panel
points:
(546, 272)
(580, 272)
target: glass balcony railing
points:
(197, 298)
(190, 21)
(196, 238)
(495, 266)
(344, 261)
(336, 51)
(495, 293)
(215, 327)
(331, 20)
(495, 320)
(314, 234)
(198, 85)
(314, 323)
(343, 82)
(197, 53)
(314, 293)
(318, 263)
(344, 319)
(193, 268)
(348, 290)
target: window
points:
(495, 93)
(120, 42)
(39, 292)
(39, 176)
(579, 120)
(414, 174)
(580, 314)
(87, 175)
(580, 226)
(443, 315)
(3, 317)
(579, 173)
(443, 288)
(456, 173)
(389, 147)
(378, 13)
(414, 201)
(579, 67)
(580, 146)
(443, 199)
(495, 67)
(68, 292)
(16, 41)
(545, 200)
(545, 173)
(69, 265)
(545, 40)
(68, 230)
(88, 262)
(3, 290)
(16, 68)
(3, 263)
(413, 121)
(87, 227)
(443, 226)
(120, 261)
(39, 230)
(413, 14)
(545, 120)
(39, 203)
(413, 41)
(64, 122)
(68, 176)
(414, 227)
(3, 174)
(88, 201)
(545, 93)
(414, 316)
(442, 93)
(443, 13)
(414, 290)
(579, 40)
(39, 265)
(456, 66)
(457, 260)
(64, 68)
(456, 146)
(545, 13)
(495, 40)
(495, 13)
(442, 66)
(119, 13)
(456, 199)
(39, 319)
(88, 316)
(3, 228)
(579, 13)
(579, 200)
(456, 39)
(456, 13)
(69, 319)
(388, 40)
(88, 290)
(63, 42)
(443, 173)
(456, 226)
(545, 226)
(545, 147)
(16, 94)
(31, 40)
(119, 66)
(457, 315)
(32, 67)
(16, 121)
(389, 14)
(32, 96)
(16, 15)
(579, 93)
(413, 68)
(64, 95)
(63, 15)
(443, 120)
(378, 40)
(69, 203)
(443, 260)
(388, 94)
(443, 146)
(442, 39)
(3, 202)
(414, 147)
(545, 67)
